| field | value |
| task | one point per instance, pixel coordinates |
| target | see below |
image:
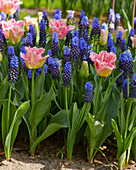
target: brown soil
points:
(46, 157)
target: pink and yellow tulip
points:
(33, 58)
(9, 6)
(104, 62)
(28, 21)
(60, 28)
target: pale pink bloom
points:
(33, 58)
(9, 6)
(28, 21)
(134, 40)
(104, 62)
(11, 25)
(60, 28)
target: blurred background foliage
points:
(91, 7)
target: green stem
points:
(32, 90)
(66, 102)
(128, 85)
(8, 115)
(97, 96)
(32, 141)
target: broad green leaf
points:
(121, 161)
(132, 119)
(52, 128)
(13, 131)
(40, 108)
(5, 122)
(39, 85)
(118, 137)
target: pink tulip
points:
(12, 30)
(33, 58)
(28, 21)
(104, 62)
(9, 6)
(134, 40)
(60, 28)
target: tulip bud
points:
(40, 15)
(0, 57)
(84, 72)
(103, 37)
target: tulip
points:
(15, 35)
(84, 71)
(40, 16)
(60, 28)
(134, 40)
(9, 6)
(103, 37)
(30, 21)
(104, 62)
(13, 28)
(33, 58)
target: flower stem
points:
(97, 96)
(32, 90)
(133, 14)
(113, 4)
(128, 85)
(66, 102)
(8, 115)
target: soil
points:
(47, 157)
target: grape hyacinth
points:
(111, 20)
(131, 34)
(135, 23)
(11, 53)
(45, 70)
(42, 40)
(45, 17)
(123, 45)
(68, 38)
(82, 14)
(22, 50)
(71, 17)
(117, 22)
(10, 16)
(29, 40)
(121, 78)
(95, 30)
(3, 16)
(126, 62)
(53, 67)
(119, 39)
(88, 92)
(39, 70)
(13, 70)
(55, 45)
(104, 26)
(125, 88)
(32, 31)
(110, 44)
(74, 53)
(83, 48)
(29, 74)
(66, 54)
(57, 15)
(113, 49)
(16, 14)
(133, 87)
(67, 76)
(3, 42)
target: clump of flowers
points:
(67, 74)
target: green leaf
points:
(4, 123)
(3, 89)
(13, 131)
(128, 140)
(118, 136)
(40, 108)
(39, 85)
(132, 119)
